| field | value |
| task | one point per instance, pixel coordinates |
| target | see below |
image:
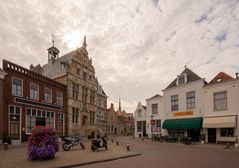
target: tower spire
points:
(119, 104)
(53, 52)
(84, 42)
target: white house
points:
(221, 109)
(182, 105)
(155, 115)
(140, 121)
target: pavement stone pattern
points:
(16, 156)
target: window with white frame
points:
(34, 91)
(156, 127)
(48, 95)
(14, 120)
(220, 101)
(181, 79)
(36, 117)
(139, 113)
(155, 108)
(17, 87)
(190, 100)
(59, 98)
(61, 118)
(174, 102)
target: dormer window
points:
(63, 65)
(181, 79)
(219, 79)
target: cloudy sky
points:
(138, 46)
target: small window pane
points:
(52, 115)
(11, 110)
(18, 110)
(48, 114)
(38, 113)
(43, 114)
(28, 111)
(34, 112)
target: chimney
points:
(31, 67)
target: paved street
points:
(16, 156)
(167, 155)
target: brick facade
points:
(32, 112)
(2, 75)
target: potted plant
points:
(15, 140)
(42, 143)
(202, 138)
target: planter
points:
(16, 142)
(202, 142)
(42, 143)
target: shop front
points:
(220, 129)
(184, 127)
(141, 129)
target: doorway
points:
(115, 130)
(84, 120)
(144, 128)
(194, 134)
(211, 135)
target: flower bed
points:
(42, 143)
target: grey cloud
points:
(221, 37)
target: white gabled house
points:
(192, 107)
(182, 106)
(221, 109)
(140, 121)
(155, 115)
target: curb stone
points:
(100, 161)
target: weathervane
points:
(53, 39)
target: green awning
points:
(185, 123)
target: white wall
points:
(232, 88)
(181, 91)
(137, 118)
(159, 116)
